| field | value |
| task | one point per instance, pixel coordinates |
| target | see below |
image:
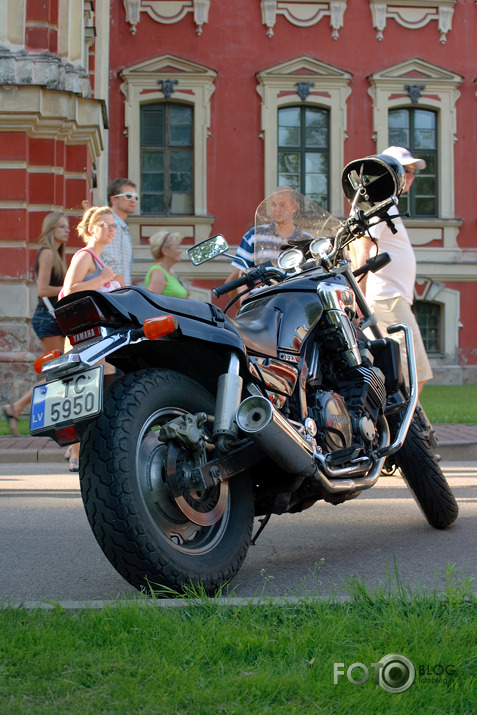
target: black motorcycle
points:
(214, 420)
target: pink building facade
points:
(208, 105)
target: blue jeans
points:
(44, 325)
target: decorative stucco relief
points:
(167, 12)
(303, 13)
(413, 14)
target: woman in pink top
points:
(88, 272)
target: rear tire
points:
(127, 496)
(423, 476)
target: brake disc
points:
(201, 507)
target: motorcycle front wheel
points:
(421, 472)
(136, 501)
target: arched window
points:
(167, 159)
(416, 129)
(304, 151)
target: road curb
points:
(31, 456)
(458, 451)
(47, 451)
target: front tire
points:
(129, 502)
(423, 475)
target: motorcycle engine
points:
(348, 419)
(332, 419)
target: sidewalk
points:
(457, 443)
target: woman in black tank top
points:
(50, 270)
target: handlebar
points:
(230, 286)
(253, 277)
(373, 264)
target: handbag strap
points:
(48, 306)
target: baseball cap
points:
(404, 156)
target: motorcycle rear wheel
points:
(423, 475)
(130, 504)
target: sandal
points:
(73, 464)
(11, 419)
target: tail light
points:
(84, 313)
(66, 435)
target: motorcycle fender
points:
(210, 333)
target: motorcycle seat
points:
(198, 310)
(258, 329)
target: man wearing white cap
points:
(390, 291)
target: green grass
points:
(209, 658)
(453, 404)
(23, 426)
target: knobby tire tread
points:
(111, 504)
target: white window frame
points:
(193, 85)
(277, 87)
(388, 91)
(432, 291)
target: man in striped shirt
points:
(264, 242)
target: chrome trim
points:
(229, 393)
(86, 354)
(339, 319)
(411, 405)
(257, 417)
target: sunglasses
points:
(128, 195)
(108, 226)
(410, 171)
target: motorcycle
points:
(215, 421)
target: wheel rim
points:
(162, 507)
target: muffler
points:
(257, 417)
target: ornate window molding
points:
(167, 12)
(193, 84)
(428, 289)
(413, 14)
(388, 91)
(278, 87)
(303, 13)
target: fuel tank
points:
(296, 304)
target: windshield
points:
(288, 219)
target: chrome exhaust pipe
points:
(258, 418)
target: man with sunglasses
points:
(390, 291)
(122, 198)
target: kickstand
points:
(263, 522)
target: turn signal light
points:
(158, 327)
(39, 362)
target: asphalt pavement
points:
(49, 555)
(456, 443)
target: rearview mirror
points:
(206, 250)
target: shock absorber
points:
(229, 393)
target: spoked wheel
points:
(152, 526)
(421, 472)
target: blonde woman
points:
(50, 270)
(88, 272)
(160, 278)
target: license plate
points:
(67, 401)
